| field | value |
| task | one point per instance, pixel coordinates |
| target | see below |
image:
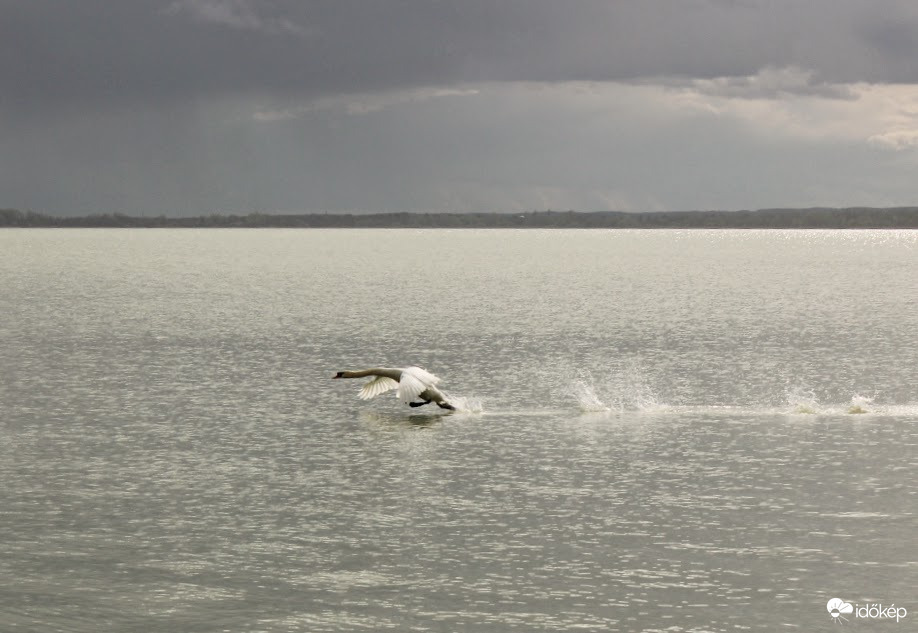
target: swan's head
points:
(340, 374)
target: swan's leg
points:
(446, 405)
(418, 404)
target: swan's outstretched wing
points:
(380, 384)
(414, 380)
(421, 374)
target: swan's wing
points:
(414, 381)
(380, 384)
(409, 388)
(421, 374)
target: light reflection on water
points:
(175, 457)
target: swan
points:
(411, 382)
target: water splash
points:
(465, 404)
(623, 390)
(802, 401)
(584, 391)
(859, 404)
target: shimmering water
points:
(666, 431)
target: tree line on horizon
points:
(828, 218)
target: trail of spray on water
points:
(802, 401)
(465, 404)
(619, 390)
(805, 402)
(627, 388)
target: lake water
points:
(661, 431)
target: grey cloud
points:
(98, 52)
(769, 83)
(196, 106)
(505, 148)
(237, 14)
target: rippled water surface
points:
(661, 431)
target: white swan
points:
(411, 382)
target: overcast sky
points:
(200, 106)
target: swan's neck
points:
(394, 374)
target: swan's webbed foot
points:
(446, 405)
(418, 404)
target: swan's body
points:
(411, 382)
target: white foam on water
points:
(584, 392)
(627, 389)
(465, 404)
(802, 401)
(618, 391)
(860, 404)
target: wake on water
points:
(629, 390)
(619, 392)
(464, 404)
(805, 402)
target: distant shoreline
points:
(810, 218)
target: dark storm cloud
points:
(195, 106)
(92, 52)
